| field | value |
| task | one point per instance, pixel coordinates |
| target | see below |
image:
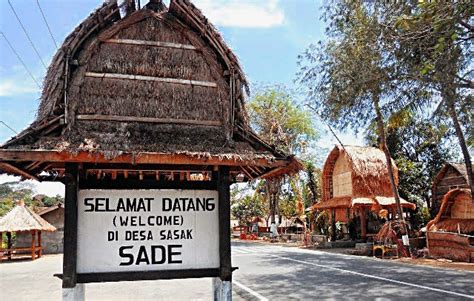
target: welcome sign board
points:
(147, 230)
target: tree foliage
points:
(11, 192)
(276, 117)
(245, 206)
(419, 148)
(434, 46)
(279, 120)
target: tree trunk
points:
(462, 142)
(388, 157)
(269, 187)
(272, 189)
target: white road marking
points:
(248, 290)
(376, 277)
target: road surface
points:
(281, 273)
(266, 272)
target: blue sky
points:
(267, 36)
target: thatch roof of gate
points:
(21, 218)
(157, 80)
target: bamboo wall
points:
(341, 177)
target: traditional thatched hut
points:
(451, 233)
(355, 180)
(451, 176)
(155, 85)
(52, 241)
(22, 219)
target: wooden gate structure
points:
(143, 98)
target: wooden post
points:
(33, 244)
(70, 226)
(9, 245)
(363, 223)
(223, 285)
(39, 244)
(333, 224)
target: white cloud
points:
(11, 87)
(242, 13)
(347, 138)
(46, 188)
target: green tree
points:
(11, 192)
(245, 208)
(353, 78)
(420, 149)
(434, 46)
(277, 118)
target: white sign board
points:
(147, 230)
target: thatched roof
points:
(155, 80)
(459, 167)
(369, 171)
(456, 213)
(349, 202)
(21, 218)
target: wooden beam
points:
(271, 173)
(15, 170)
(180, 81)
(33, 130)
(223, 189)
(147, 184)
(247, 173)
(99, 117)
(151, 43)
(33, 244)
(70, 226)
(145, 275)
(141, 158)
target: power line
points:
(19, 58)
(47, 25)
(1, 121)
(27, 35)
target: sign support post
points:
(222, 286)
(71, 290)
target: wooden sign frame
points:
(220, 181)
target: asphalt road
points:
(266, 272)
(282, 273)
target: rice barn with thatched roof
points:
(21, 219)
(144, 98)
(355, 181)
(451, 233)
(451, 176)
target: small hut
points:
(22, 219)
(356, 181)
(52, 241)
(451, 233)
(451, 176)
